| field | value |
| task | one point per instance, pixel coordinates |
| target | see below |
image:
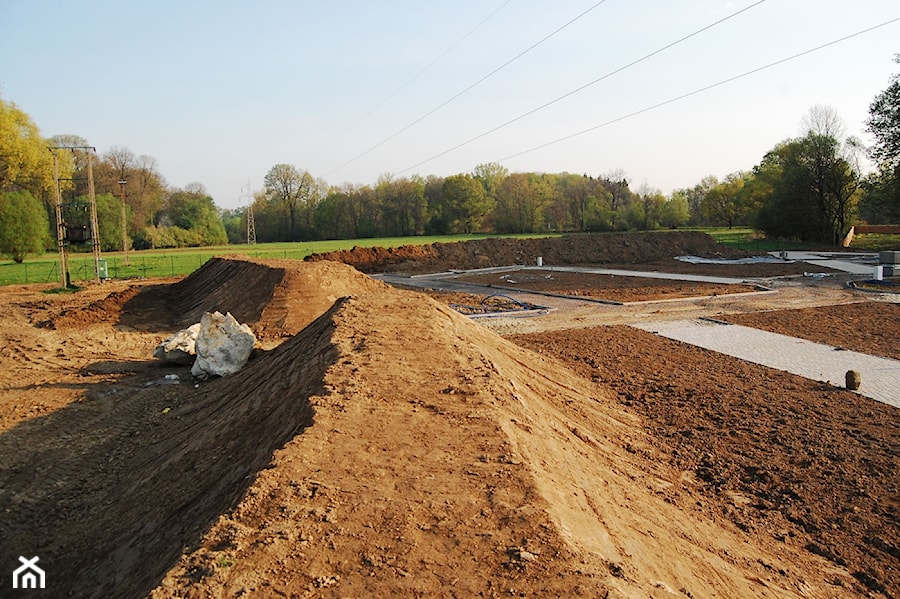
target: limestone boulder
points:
(223, 346)
(179, 348)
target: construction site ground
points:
(379, 443)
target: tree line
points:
(810, 188)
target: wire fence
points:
(81, 268)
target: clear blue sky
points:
(220, 91)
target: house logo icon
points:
(28, 575)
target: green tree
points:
(722, 202)
(24, 227)
(881, 203)
(192, 210)
(25, 162)
(403, 204)
(109, 219)
(676, 211)
(465, 202)
(292, 191)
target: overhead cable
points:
(581, 88)
(467, 89)
(417, 75)
(701, 90)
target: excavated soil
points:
(385, 445)
(607, 249)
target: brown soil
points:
(612, 249)
(385, 445)
(790, 461)
(606, 287)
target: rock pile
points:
(218, 345)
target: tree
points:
(192, 209)
(834, 184)
(403, 204)
(465, 202)
(24, 226)
(109, 219)
(722, 202)
(882, 199)
(25, 162)
(292, 190)
(491, 176)
(676, 211)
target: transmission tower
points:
(251, 223)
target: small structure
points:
(890, 263)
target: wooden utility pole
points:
(60, 226)
(95, 227)
(122, 183)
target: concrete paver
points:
(816, 361)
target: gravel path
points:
(880, 376)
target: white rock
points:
(223, 346)
(179, 348)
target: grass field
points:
(177, 262)
(183, 261)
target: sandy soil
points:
(384, 445)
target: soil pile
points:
(276, 298)
(109, 491)
(442, 460)
(608, 248)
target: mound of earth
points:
(443, 460)
(392, 447)
(607, 248)
(275, 297)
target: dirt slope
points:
(445, 461)
(618, 248)
(276, 297)
(109, 491)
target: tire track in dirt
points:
(109, 492)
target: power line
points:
(467, 89)
(701, 90)
(416, 76)
(581, 88)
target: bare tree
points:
(823, 120)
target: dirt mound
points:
(611, 248)
(275, 297)
(108, 492)
(443, 460)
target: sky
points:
(664, 92)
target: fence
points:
(82, 269)
(170, 264)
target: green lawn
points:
(176, 262)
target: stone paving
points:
(880, 376)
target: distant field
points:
(183, 261)
(177, 262)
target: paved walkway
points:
(816, 361)
(856, 263)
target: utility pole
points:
(122, 183)
(60, 223)
(60, 226)
(251, 223)
(95, 227)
